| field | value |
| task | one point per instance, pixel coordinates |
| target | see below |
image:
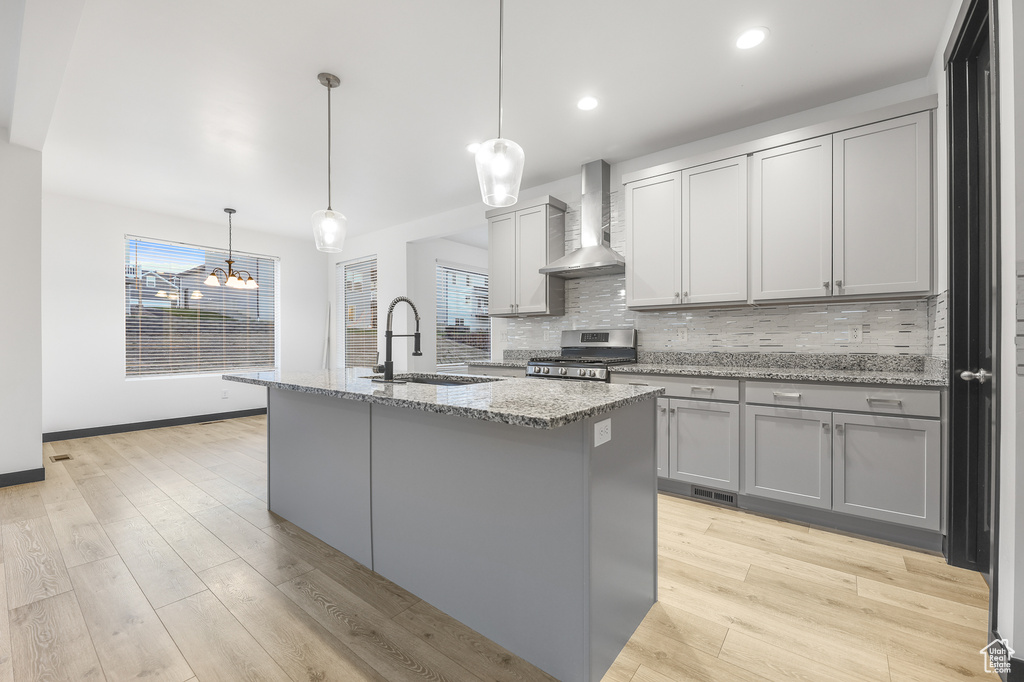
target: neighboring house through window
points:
(175, 324)
(463, 325)
(357, 321)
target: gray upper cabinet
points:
(788, 455)
(522, 241)
(882, 205)
(714, 232)
(791, 221)
(847, 214)
(653, 241)
(704, 443)
(687, 236)
(887, 468)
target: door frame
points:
(966, 544)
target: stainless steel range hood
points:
(594, 257)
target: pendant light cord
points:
(329, 88)
(501, 39)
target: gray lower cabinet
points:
(788, 455)
(704, 443)
(887, 468)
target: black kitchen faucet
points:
(389, 365)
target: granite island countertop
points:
(825, 368)
(519, 402)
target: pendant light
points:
(329, 226)
(499, 162)
(236, 279)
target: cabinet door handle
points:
(686, 294)
(781, 394)
(709, 389)
(639, 384)
(672, 410)
(839, 284)
(511, 307)
(839, 429)
(677, 295)
(825, 427)
(885, 401)
(662, 408)
(827, 285)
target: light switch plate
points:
(602, 432)
(856, 333)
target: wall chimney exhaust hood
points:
(594, 257)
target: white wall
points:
(1010, 607)
(84, 384)
(20, 330)
(422, 264)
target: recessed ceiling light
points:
(752, 38)
(472, 147)
(587, 103)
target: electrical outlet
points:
(683, 334)
(856, 332)
(224, 394)
(602, 432)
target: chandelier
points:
(236, 279)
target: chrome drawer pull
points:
(780, 394)
(709, 389)
(887, 401)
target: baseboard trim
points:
(19, 477)
(1016, 673)
(142, 426)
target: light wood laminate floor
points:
(152, 555)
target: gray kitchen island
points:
(525, 509)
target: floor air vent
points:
(59, 458)
(713, 495)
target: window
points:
(463, 326)
(357, 324)
(174, 324)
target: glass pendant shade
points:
(232, 282)
(212, 281)
(329, 228)
(499, 166)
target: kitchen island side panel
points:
(318, 468)
(486, 521)
(623, 517)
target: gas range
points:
(586, 355)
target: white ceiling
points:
(189, 106)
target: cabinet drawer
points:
(876, 399)
(684, 387)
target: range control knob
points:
(547, 370)
(581, 372)
(563, 371)
(536, 370)
(592, 373)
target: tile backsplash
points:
(915, 326)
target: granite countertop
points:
(896, 370)
(519, 402)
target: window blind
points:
(357, 325)
(463, 326)
(175, 324)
